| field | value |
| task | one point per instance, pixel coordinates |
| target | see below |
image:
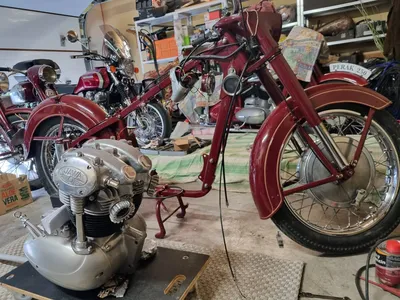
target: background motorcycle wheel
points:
(157, 123)
(350, 227)
(45, 151)
(16, 165)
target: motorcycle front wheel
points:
(349, 216)
(156, 123)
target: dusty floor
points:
(244, 231)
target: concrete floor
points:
(244, 231)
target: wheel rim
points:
(343, 209)
(154, 126)
(16, 164)
(48, 157)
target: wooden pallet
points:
(171, 274)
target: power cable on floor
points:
(222, 178)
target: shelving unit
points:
(169, 19)
(302, 19)
(355, 40)
(334, 9)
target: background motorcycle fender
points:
(343, 76)
(78, 109)
(265, 156)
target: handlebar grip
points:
(201, 39)
(4, 69)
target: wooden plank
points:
(150, 281)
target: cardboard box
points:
(15, 192)
(183, 143)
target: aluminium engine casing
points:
(101, 186)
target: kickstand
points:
(161, 234)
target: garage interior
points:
(170, 144)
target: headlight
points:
(4, 83)
(128, 68)
(47, 74)
(17, 94)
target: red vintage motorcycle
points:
(15, 108)
(112, 86)
(324, 166)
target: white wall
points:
(26, 31)
(65, 7)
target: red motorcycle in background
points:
(324, 165)
(15, 108)
(113, 85)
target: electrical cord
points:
(143, 35)
(222, 177)
(357, 279)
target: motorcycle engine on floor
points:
(97, 233)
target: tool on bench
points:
(314, 296)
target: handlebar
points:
(4, 69)
(200, 40)
(81, 56)
(91, 56)
(210, 36)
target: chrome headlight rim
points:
(47, 74)
(17, 94)
(4, 83)
(128, 68)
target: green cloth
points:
(173, 170)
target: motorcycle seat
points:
(25, 65)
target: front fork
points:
(136, 113)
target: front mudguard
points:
(343, 77)
(266, 153)
(78, 109)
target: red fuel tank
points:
(93, 80)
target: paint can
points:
(387, 262)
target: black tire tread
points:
(165, 116)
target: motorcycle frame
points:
(300, 105)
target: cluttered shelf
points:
(355, 40)
(177, 14)
(340, 8)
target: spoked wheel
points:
(156, 124)
(15, 164)
(46, 154)
(345, 216)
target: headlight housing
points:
(4, 83)
(128, 68)
(17, 94)
(47, 74)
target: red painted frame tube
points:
(309, 186)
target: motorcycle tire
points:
(35, 184)
(290, 224)
(44, 171)
(164, 118)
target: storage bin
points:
(166, 48)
